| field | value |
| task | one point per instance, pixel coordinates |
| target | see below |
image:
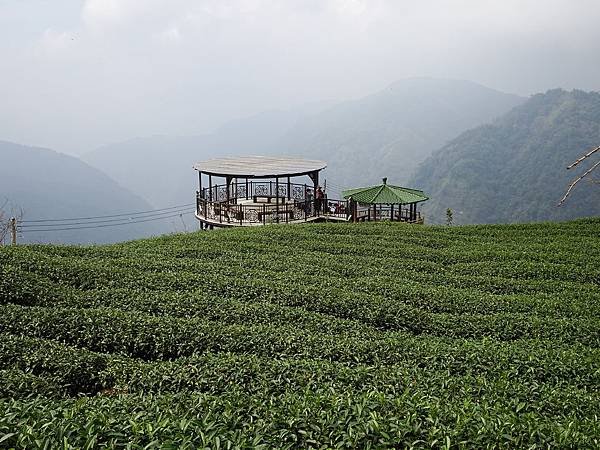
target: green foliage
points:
(514, 170)
(323, 336)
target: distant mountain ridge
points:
(384, 134)
(51, 185)
(514, 170)
(390, 132)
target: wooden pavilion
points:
(385, 202)
(259, 190)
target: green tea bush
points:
(318, 336)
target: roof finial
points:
(385, 180)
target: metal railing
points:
(265, 202)
(364, 213)
(233, 213)
(250, 189)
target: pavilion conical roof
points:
(385, 194)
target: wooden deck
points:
(236, 223)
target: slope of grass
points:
(370, 336)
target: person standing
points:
(319, 195)
(308, 197)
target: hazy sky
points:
(79, 73)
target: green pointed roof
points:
(385, 194)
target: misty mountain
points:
(384, 134)
(514, 170)
(159, 168)
(50, 185)
(390, 132)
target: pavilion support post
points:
(210, 193)
(277, 198)
(200, 182)
(227, 193)
(315, 178)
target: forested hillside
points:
(379, 335)
(50, 185)
(514, 170)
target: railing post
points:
(264, 214)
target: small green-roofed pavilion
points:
(383, 198)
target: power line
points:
(333, 184)
(102, 226)
(109, 216)
(145, 216)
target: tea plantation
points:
(324, 336)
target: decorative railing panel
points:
(298, 192)
(266, 213)
(262, 190)
(240, 191)
(246, 190)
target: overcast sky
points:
(76, 74)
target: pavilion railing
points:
(230, 213)
(283, 202)
(250, 189)
(387, 212)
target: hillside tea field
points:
(324, 336)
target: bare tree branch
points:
(578, 179)
(587, 155)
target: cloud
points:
(101, 12)
(53, 42)
(104, 70)
(170, 35)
